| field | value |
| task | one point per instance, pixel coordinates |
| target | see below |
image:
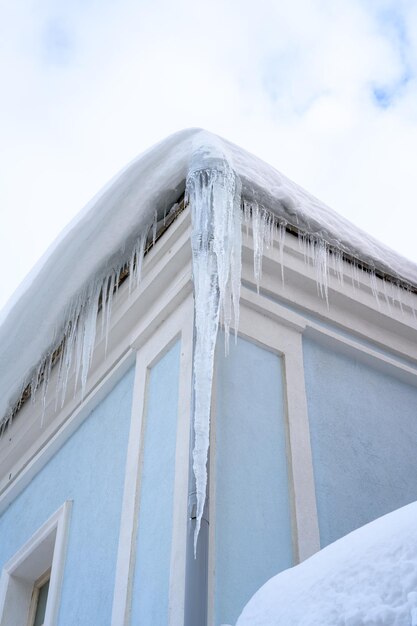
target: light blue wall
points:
(153, 550)
(363, 425)
(88, 469)
(252, 509)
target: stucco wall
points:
(154, 539)
(363, 425)
(252, 512)
(88, 469)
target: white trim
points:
(29, 563)
(178, 324)
(379, 360)
(180, 519)
(286, 340)
(307, 536)
(128, 522)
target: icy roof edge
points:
(100, 237)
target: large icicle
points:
(213, 191)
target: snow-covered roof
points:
(367, 577)
(104, 233)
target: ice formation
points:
(213, 192)
(52, 317)
(367, 577)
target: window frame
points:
(20, 575)
(34, 603)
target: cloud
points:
(324, 90)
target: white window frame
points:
(35, 596)
(45, 549)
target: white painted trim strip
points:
(180, 518)
(58, 562)
(284, 339)
(301, 471)
(178, 324)
(408, 373)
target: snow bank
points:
(368, 577)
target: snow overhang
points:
(101, 239)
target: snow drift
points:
(368, 577)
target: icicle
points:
(117, 279)
(78, 348)
(154, 228)
(34, 383)
(140, 253)
(269, 229)
(236, 260)
(355, 274)
(108, 310)
(302, 245)
(69, 348)
(386, 295)
(410, 299)
(214, 197)
(104, 292)
(400, 297)
(246, 215)
(131, 269)
(258, 233)
(281, 243)
(45, 385)
(89, 335)
(374, 287)
(338, 265)
(321, 254)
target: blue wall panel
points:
(363, 426)
(88, 469)
(252, 508)
(154, 539)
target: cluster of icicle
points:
(325, 259)
(214, 197)
(74, 350)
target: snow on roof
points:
(367, 577)
(102, 236)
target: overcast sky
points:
(325, 90)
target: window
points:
(39, 600)
(31, 580)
